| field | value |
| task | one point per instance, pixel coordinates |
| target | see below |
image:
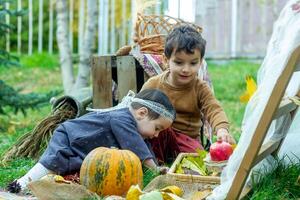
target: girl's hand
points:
(162, 169)
(223, 135)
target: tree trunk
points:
(87, 46)
(63, 46)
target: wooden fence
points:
(235, 28)
(109, 38)
(232, 28)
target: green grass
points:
(40, 60)
(229, 84)
(41, 73)
(281, 183)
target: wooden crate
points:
(124, 70)
(190, 177)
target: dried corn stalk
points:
(33, 143)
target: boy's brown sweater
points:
(189, 102)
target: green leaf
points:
(190, 163)
(153, 195)
(179, 169)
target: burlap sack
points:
(50, 190)
(190, 188)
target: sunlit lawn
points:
(40, 73)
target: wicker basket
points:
(190, 177)
(151, 31)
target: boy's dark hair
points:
(186, 38)
(156, 96)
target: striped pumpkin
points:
(111, 171)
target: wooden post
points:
(100, 26)
(123, 31)
(234, 13)
(7, 34)
(158, 7)
(40, 33)
(105, 27)
(81, 24)
(71, 11)
(19, 27)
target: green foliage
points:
(20, 102)
(5, 58)
(193, 163)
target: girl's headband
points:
(129, 98)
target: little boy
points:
(149, 113)
(191, 97)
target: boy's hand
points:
(223, 135)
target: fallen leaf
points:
(134, 193)
(173, 189)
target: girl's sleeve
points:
(128, 137)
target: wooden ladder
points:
(274, 108)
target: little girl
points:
(148, 113)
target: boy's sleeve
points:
(150, 83)
(211, 108)
(128, 138)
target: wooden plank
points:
(126, 75)
(266, 149)
(30, 24)
(262, 126)
(7, 21)
(293, 113)
(102, 82)
(247, 189)
(50, 42)
(286, 106)
(19, 28)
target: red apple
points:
(220, 151)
